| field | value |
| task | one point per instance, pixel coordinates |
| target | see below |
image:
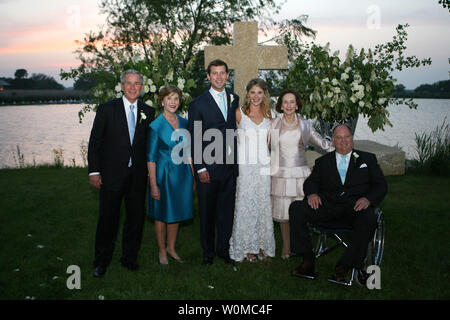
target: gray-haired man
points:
(118, 168)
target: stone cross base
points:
(390, 159)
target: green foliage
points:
(42, 81)
(335, 90)
(84, 82)
(433, 149)
(445, 4)
(48, 223)
(58, 157)
(19, 158)
(37, 81)
(21, 74)
(440, 89)
(162, 40)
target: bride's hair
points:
(266, 104)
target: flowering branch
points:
(335, 90)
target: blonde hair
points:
(266, 103)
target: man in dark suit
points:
(118, 168)
(342, 191)
(212, 125)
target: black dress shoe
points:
(207, 261)
(340, 276)
(361, 277)
(133, 266)
(99, 272)
(305, 270)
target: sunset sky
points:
(40, 35)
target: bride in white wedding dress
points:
(252, 236)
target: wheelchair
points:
(374, 252)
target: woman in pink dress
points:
(289, 136)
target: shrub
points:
(433, 150)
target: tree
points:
(166, 37)
(445, 4)
(42, 81)
(84, 82)
(399, 88)
(21, 74)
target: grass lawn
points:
(48, 220)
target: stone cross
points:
(246, 57)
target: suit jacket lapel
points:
(122, 119)
(139, 121)
(351, 168)
(213, 102)
(334, 168)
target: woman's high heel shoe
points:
(179, 259)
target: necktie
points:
(131, 126)
(131, 123)
(223, 105)
(342, 168)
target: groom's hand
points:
(204, 177)
(314, 201)
(95, 181)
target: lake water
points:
(40, 129)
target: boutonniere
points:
(143, 116)
(355, 156)
(231, 99)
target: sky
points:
(40, 36)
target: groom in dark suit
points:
(342, 191)
(212, 125)
(118, 168)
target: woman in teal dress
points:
(170, 173)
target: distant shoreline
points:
(43, 103)
(40, 97)
(10, 98)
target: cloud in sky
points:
(40, 35)
(366, 23)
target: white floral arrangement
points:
(154, 78)
(362, 84)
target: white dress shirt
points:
(339, 157)
(126, 105)
(216, 96)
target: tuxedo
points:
(363, 178)
(216, 199)
(109, 153)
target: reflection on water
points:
(405, 123)
(39, 129)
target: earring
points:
(162, 104)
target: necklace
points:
(292, 125)
(173, 122)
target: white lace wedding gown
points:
(253, 225)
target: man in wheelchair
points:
(342, 192)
